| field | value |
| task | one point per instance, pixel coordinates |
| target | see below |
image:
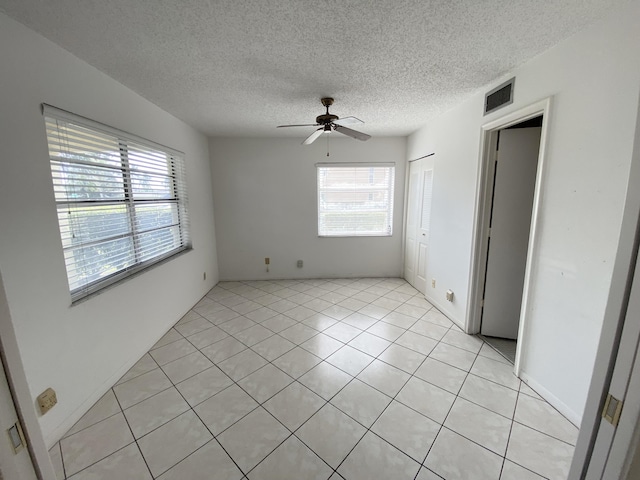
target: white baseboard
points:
(554, 401)
(56, 434)
(446, 312)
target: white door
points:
(611, 457)
(418, 222)
(412, 226)
(513, 190)
(426, 184)
(13, 466)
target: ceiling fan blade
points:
(311, 138)
(348, 121)
(352, 133)
(305, 125)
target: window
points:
(121, 200)
(355, 199)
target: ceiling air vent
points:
(499, 97)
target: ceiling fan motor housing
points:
(326, 118)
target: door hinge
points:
(612, 409)
(16, 437)
(482, 303)
(489, 232)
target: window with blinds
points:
(355, 199)
(121, 200)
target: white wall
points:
(265, 205)
(634, 469)
(81, 350)
(594, 79)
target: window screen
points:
(355, 200)
(121, 200)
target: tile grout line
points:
(423, 464)
(353, 377)
(200, 419)
(159, 426)
(368, 429)
(513, 419)
(510, 431)
(325, 403)
(292, 433)
(261, 404)
(135, 440)
(298, 345)
(106, 418)
(64, 469)
(117, 400)
(119, 449)
(322, 359)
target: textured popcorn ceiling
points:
(241, 67)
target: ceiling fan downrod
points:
(327, 118)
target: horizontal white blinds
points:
(355, 200)
(121, 201)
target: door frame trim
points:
(19, 387)
(488, 142)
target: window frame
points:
(128, 145)
(364, 166)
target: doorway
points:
(514, 179)
(510, 179)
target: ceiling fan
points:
(328, 122)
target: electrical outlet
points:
(449, 295)
(267, 260)
(47, 400)
(299, 263)
(433, 283)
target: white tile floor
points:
(354, 379)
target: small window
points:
(355, 200)
(121, 201)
